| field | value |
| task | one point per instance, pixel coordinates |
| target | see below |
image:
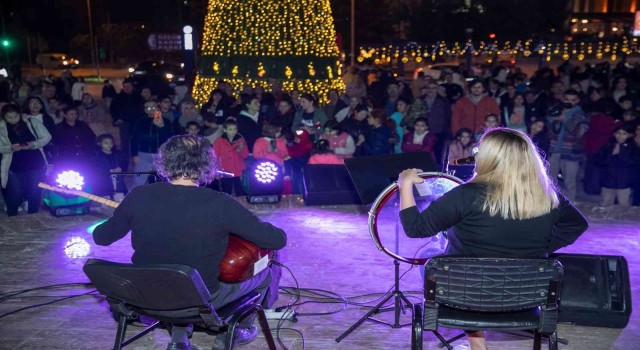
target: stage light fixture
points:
(62, 204)
(263, 182)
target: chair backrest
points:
(155, 287)
(492, 284)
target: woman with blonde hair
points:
(510, 208)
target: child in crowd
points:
(108, 161)
(322, 154)
(231, 149)
(420, 139)
(540, 136)
(193, 128)
(490, 121)
(211, 130)
(378, 140)
(340, 142)
(618, 161)
(271, 145)
(462, 147)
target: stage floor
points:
(329, 248)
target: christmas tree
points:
(257, 42)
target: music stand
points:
(371, 175)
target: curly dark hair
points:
(188, 157)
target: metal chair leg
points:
(537, 340)
(266, 330)
(553, 341)
(122, 327)
(416, 328)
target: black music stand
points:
(371, 175)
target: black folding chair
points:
(168, 293)
(479, 294)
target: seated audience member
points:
(490, 121)
(420, 139)
(340, 142)
(377, 141)
(190, 225)
(271, 145)
(322, 154)
(193, 129)
(462, 147)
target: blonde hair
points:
(518, 186)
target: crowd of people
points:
(583, 119)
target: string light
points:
(269, 40)
(488, 50)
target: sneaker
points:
(179, 346)
(464, 346)
(240, 336)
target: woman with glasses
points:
(147, 135)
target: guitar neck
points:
(107, 202)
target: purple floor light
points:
(266, 172)
(70, 179)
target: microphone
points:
(467, 160)
(222, 173)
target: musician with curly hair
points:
(179, 222)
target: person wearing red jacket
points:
(299, 146)
(469, 111)
(231, 149)
(420, 139)
(271, 145)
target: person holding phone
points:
(23, 162)
(147, 135)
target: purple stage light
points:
(70, 179)
(266, 172)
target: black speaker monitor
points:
(595, 290)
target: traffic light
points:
(6, 43)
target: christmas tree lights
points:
(257, 42)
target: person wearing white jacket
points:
(23, 162)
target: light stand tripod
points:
(398, 296)
(395, 293)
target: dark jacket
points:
(103, 184)
(147, 137)
(377, 141)
(128, 108)
(618, 171)
(439, 115)
(74, 142)
(472, 231)
(187, 225)
(250, 130)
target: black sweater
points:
(173, 224)
(477, 233)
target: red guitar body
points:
(238, 263)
